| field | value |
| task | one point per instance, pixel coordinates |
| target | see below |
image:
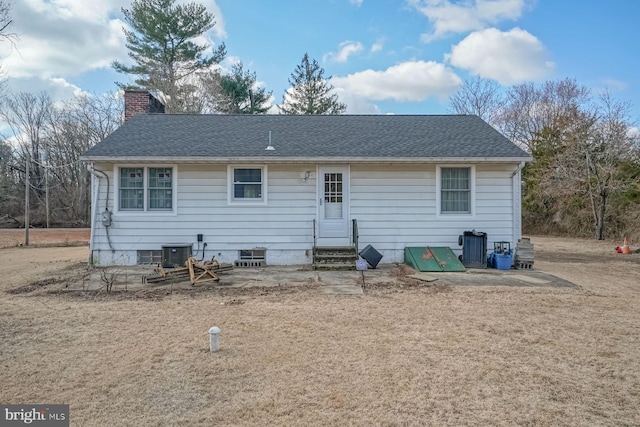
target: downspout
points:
(518, 169)
(516, 195)
(94, 208)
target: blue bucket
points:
(502, 262)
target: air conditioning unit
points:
(176, 255)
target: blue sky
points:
(384, 56)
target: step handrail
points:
(355, 235)
(314, 236)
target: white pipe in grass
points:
(214, 342)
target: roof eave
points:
(272, 159)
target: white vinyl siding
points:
(398, 206)
(395, 206)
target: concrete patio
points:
(130, 278)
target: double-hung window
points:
(455, 186)
(132, 188)
(160, 188)
(146, 188)
(247, 184)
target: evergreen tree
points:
(238, 93)
(310, 92)
(166, 58)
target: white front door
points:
(333, 206)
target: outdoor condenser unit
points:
(175, 255)
(474, 249)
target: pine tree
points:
(166, 58)
(310, 92)
(238, 93)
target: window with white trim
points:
(160, 188)
(455, 190)
(145, 188)
(131, 188)
(247, 184)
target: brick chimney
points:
(140, 101)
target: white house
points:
(273, 187)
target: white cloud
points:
(345, 50)
(377, 46)
(356, 104)
(219, 29)
(408, 81)
(57, 88)
(63, 38)
(507, 57)
(448, 17)
(356, 2)
(67, 38)
(615, 84)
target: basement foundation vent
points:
(149, 257)
(251, 258)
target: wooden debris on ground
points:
(194, 271)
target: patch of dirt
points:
(44, 237)
(32, 286)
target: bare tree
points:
(5, 22)
(52, 138)
(529, 108)
(10, 195)
(480, 97)
(6, 35)
(28, 116)
(585, 170)
(74, 128)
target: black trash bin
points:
(370, 255)
(474, 249)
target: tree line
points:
(584, 179)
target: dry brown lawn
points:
(410, 355)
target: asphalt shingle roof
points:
(376, 137)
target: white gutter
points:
(518, 169)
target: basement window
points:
(252, 254)
(149, 257)
(251, 258)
